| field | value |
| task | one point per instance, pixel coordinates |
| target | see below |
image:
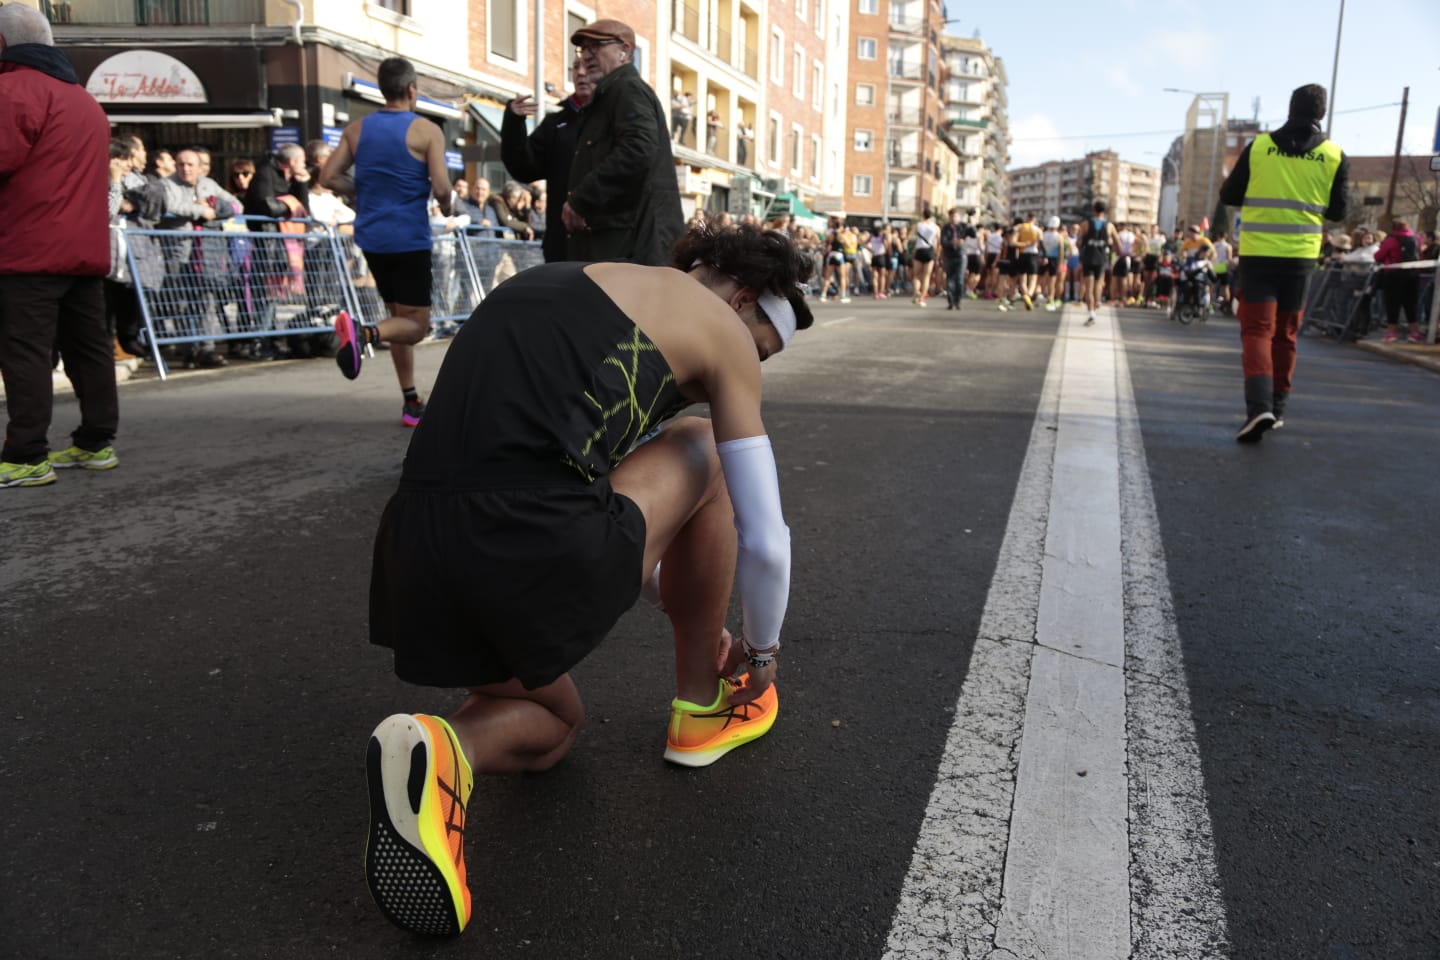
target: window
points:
(815, 147)
(865, 48)
(801, 11)
(860, 185)
(798, 76)
(819, 18)
(777, 54)
(817, 86)
(401, 7)
(869, 6)
(864, 140)
(504, 28)
(773, 140)
(864, 94)
(795, 148)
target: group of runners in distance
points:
(1022, 265)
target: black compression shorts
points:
(402, 278)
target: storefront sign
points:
(453, 160)
(145, 76)
(279, 136)
(331, 135)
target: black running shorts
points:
(402, 278)
(479, 585)
(972, 263)
(1029, 264)
(1121, 267)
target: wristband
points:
(759, 659)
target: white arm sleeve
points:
(762, 570)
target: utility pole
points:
(540, 103)
(1334, 71)
(1395, 169)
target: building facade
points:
(1069, 188)
(1203, 158)
(977, 121)
(896, 165)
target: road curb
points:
(1420, 354)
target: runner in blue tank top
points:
(402, 162)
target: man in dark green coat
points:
(623, 201)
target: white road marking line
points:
(1176, 906)
(1020, 855)
(836, 321)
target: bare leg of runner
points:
(677, 482)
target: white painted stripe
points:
(1176, 906)
(1020, 855)
(836, 321)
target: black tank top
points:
(548, 377)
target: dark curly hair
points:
(763, 260)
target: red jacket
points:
(54, 168)
(1398, 247)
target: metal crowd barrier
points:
(1346, 301)
(204, 287)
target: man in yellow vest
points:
(1286, 184)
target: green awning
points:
(790, 203)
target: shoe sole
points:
(40, 481)
(347, 330)
(1255, 428)
(412, 888)
(408, 421)
(109, 464)
(704, 756)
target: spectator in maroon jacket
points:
(54, 252)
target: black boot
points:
(1277, 407)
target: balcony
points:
(906, 116)
(903, 70)
(899, 24)
(724, 46)
(751, 66)
(145, 13)
(687, 22)
(905, 159)
(904, 204)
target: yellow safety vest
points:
(1286, 199)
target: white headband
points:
(777, 310)
(781, 316)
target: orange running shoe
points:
(415, 855)
(700, 735)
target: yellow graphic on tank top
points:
(631, 401)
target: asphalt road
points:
(186, 686)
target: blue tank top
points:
(391, 187)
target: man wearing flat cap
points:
(623, 202)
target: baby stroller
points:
(1191, 299)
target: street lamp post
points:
(1334, 71)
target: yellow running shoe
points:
(102, 459)
(700, 735)
(415, 855)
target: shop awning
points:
(366, 90)
(208, 121)
(491, 117)
(790, 203)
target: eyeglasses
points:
(584, 45)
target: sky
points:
(1097, 82)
